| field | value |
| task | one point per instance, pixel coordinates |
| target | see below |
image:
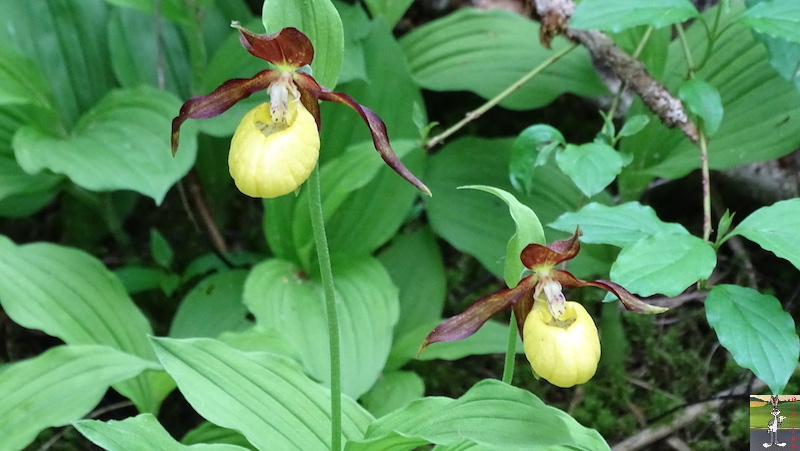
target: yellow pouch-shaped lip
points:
(563, 351)
(269, 159)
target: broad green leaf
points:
(175, 10)
(212, 307)
(268, 399)
(591, 166)
(478, 224)
(281, 296)
(390, 10)
(58, 386)
(375, 213)
(374, 217)
(160, 249)
(777, 18)
(137, 278)
(785, 57)
(620, 225)
(739, 69)
(486, 51)
(704, 101)
(491, 414)
(34, 191)
(139, 57)
(211, 433)
(634, 125)
(21, 81)
(775, 229)
(392, 391)
(320, 21)
(69, 294)
(68, 42)
(120, 144)
(617, 15)
(528, 230)
(140, 433)
(532, 148)
(757, 331)
(663, 264)
(415, 265)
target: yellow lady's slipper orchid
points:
(563, 351)
(273, 152)
(272, 158)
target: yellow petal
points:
(269, 159)
(563, 351)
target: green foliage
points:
(617, 15)
(756, 330)
(778, 18)
(485, 51)
(87, 92)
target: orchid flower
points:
(276, 146)
(540, 291)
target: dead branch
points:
(554, 16)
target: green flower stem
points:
(472, 115)
(702, 143)
(511, 350)
(326, 274)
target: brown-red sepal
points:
(377, 128)
(470, 320)
(288, 47)
(220, 100)
(536, 256)
(631, 302)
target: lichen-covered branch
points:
(554, 17)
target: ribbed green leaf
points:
(175, 10)
(71, 295)
(30, 192)
(415, 264)
(21, 80)
(775, 229)
(212, 307)
(67, 41)
(58, 386)
(528, 230)
(139, 58)
(282, 297)
(320, 21)
(617, 15)
(140, 433)
(492, 414)
(757, 331)
(120, 144)
(391, 10)
(377, 199)
(211, 433)
(777, 18)
(618, 225)
(486, 51)
(393, 391)
(663, 263)
(265, 397)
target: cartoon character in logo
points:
(772, 425)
